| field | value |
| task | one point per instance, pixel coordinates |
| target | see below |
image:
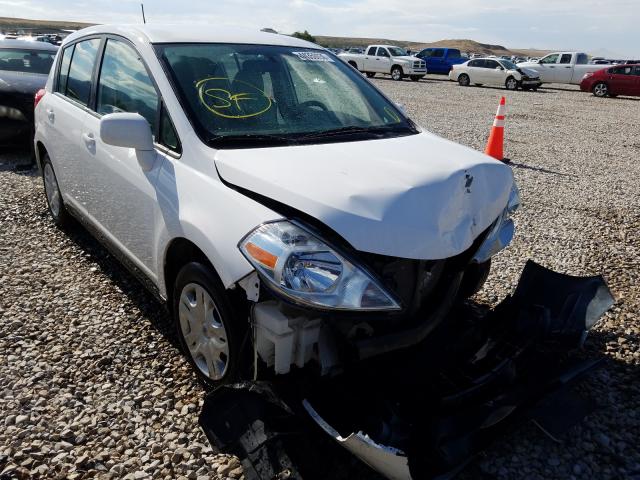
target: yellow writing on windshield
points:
(223, 97)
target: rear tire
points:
(464, 80)
(396, 73)
(55, 203)
(211, 334)
(370, 74)
(601, 90)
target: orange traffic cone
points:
(495, 145)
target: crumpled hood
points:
(418, 196)
(529, 72)
(531, 65)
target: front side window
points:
(382, 52)
(276, 95)
(26, 61)
(453, 53)
(397, 52)
(438, 53)
(623, 71)
(124, 84)
(550, 59)
(491, 64)
(582, 59)
(636, 71)
(81, 70)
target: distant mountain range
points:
(465, 45)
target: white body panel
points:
(487, 76)
(382, 64)
(562, 70)
(406, 197)
(378, 194)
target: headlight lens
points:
(308, 271)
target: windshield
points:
(397, 52)
(28, 61)
(508, 65)
(257, 95)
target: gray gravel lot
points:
(91, 385)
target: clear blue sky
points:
(595, 26)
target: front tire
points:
(511, 83)
(475, 276)
(464, 80)
(210, 333)
(57, 209)
(601, 89)
(396, 73)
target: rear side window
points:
(81, 70)
(61, 85)
(566, 58)
(125, 85)
(371, 51)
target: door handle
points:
(89, 139)
(568, 66)
(50, 115)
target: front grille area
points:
(419, 64)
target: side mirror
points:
(499, 68)
(129, 130)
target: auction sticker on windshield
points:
(313, 56)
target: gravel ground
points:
(92, 386)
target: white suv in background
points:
(280, 204)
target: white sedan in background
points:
(495, 71)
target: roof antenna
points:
(144, 20)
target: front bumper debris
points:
(425, 413)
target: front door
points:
(548, 67)
(621, 80)
(122, 199)
(383, 61)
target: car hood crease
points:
(379, 195)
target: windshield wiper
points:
(248, 139)
(355, 130)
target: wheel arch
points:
(397, 65)
(40, 152)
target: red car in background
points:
(613, 81)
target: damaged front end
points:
(478, 374)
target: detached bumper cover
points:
(439, 410)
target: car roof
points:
(168, 33)
(27, 45)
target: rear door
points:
(475, 70)
(66, 116)
(564, 68)
(370, 59)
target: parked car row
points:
(489, 71)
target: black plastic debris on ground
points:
(427, 411)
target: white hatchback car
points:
(287, 211)
(495, 71)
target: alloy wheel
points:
(203, 331)
(512, 84)
(600, 90)
(396, 74)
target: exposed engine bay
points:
(478, 374)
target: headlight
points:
(306, 270)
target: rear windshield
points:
(28, 61)
(257, 95)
